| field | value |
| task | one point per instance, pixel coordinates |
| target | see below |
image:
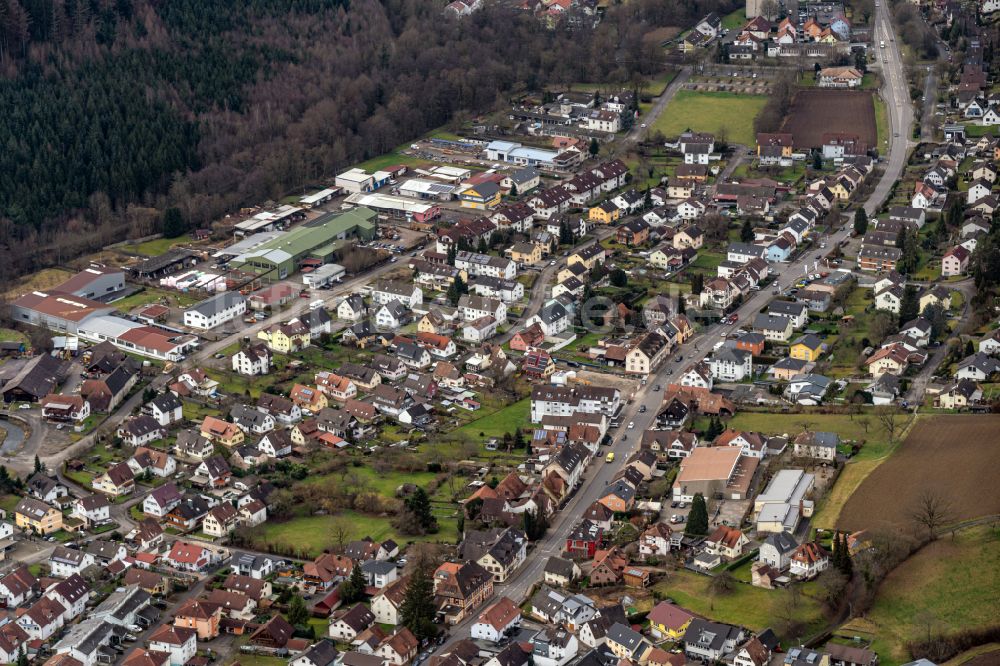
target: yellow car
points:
(610, 457)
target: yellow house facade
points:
(283, 339)
(526, 253)
(606, 213)
(480, 197)
(806, 350)
(37, 516)
(839, 191)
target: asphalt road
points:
(895, 94)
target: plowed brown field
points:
(958, 457)
(816, 111)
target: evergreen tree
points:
(39, 467)
(417, 611)
(909, 306)
(519, 441)
(618, 278)
(970, 348)
(22, 657)
(173, 223)
(647, 199)
(482, 248)
(352, 589)
(746, 232)
(456, 289)
(298, 614)
(513, 190)
(817, 161)
(860, 222)
(697, 283)
(846, 565)
(452, 253)
(908, 251)
(420, 504)
(595, 148)
(697, 522)
(835, 557)
(565, 233)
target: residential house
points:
(809, 560)
(460, 589)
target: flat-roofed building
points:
(714, 472)
(783, 503)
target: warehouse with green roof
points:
(319, 239)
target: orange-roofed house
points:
(335, 386)
(216, 430)
(398, 649)
(531, 337)
(609, 566)
(201, 616)
(494, 622)
(727, 542)
(308, 398)
(143, 657)
(809, 560)
(189, 556)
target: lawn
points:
(47, 278)
(153, 295)
(10, 335)
(389, 159)
(385, 483)
(157, 246)
(309, 535)
(707, 261)
(881, 123)
(949, 585)
(745, 605)
(735, 20)
(8, 503)
(845, 425)
(506, 420)
(712, 112)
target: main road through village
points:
(599, 474)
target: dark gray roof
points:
(560, 567)
(218, 303)
(783, 542)
(322, 653)
(166, 402)
(625, 636)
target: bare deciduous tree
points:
(890, 418)
(932, 511)
(722, 583)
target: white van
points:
(316, 305)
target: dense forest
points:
(115, 110)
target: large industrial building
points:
(396, 206)
(62, 310)
(56, 310)
(320, 239)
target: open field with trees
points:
(792, 614)
(948, 586)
